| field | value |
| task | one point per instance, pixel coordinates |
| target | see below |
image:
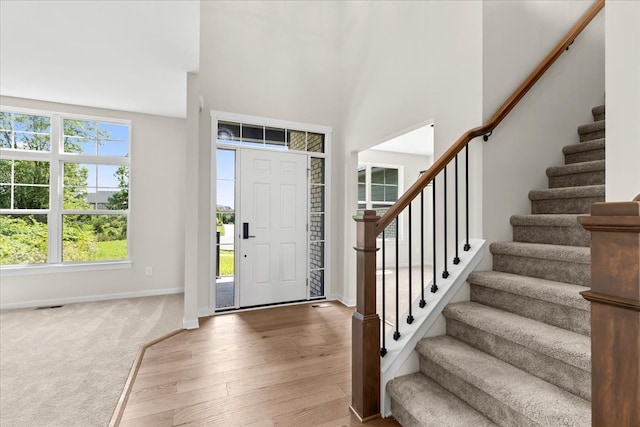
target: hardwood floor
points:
(285, 366)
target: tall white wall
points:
(406, 64)
(371, 70)
(190, 318)
(517, 35)
(156, 228)
(269, 59)
(623, 100)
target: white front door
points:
(272, 227)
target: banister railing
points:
(492, 123)
(366, 350)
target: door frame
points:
(238, 148)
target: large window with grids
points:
(378, 189)
(64, 188)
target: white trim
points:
(264, 121)
(328, 241)
(91, 298)
(36, 111)
(190, 324)
(343, 300)
(56, 196)
(213, 223)
(31, 269)
(95, 159)
(15, 154)
(93, 212)
(205, 312)
(231, 310)
(267, 148)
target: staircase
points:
(519, 353)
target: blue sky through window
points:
(101, 177)
(226, 170)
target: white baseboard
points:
(90, 298)
(205, 312)
(190, 324)
(343, 300)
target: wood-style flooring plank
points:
(285, 366)
(159, 419)
(261, 397)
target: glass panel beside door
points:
(225, 229)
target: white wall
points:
(516, 37)
(406, 64)
(190, 318)
(269, 59)
(411, 165)
(156, 219)
(371, 70)
(623, 100)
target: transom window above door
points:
(270, 137)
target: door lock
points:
(245, 231)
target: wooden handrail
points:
(491, 124)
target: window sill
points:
(24, 270)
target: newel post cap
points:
(369, 216)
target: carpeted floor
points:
(67, 366)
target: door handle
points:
(245, 231)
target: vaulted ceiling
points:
(123, 55)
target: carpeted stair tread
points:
(591, 127)
(546, 290)
(596, 144)
(573, 254)
(423, 402)
(569, 347)
(576, 174)
(584, 151)
(552, 302)
(568, 264)
(575, 168)
(557, 229)
(547, 220)
(591, 131)
(565, 200)
(498, 383)
(598, 113)
(568, 193)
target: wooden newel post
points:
(365, 357)
(615, 312)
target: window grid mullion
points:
(367, 186)
(54, 221)
(13, 179)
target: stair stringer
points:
(424, 318)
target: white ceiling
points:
(419, 142)
(124, 55)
